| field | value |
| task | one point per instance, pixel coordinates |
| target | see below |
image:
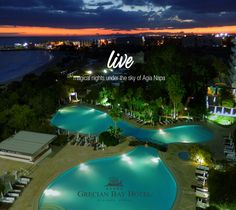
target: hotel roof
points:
(26, 142)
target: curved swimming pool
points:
(87, 120)
(137, 180)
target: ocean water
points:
(16, 64)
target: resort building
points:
(233, 64)
(26, 146)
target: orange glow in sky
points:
(47, 31)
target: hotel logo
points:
(114, 182)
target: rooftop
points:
(26, 142)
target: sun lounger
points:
(22, 182)
(25, 178)
(201, 194)
(229, 152)
(202, 189)
(201, 182)
(7, 200)
(201, 203)
(231, 157)
(201, 172)
(227, 138)
(201, 177)
(15, 190)
(229, 147)
(200, 167)
(13, 194)
(19, 185)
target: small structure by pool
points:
(136, 180)
(26, 146)
(87, 120)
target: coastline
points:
(57, 56)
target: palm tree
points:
(127, 99)
(104, 96)
(116, 114)
(176, 92)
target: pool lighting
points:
(50, 192)
(155, 159)
(102, 115)
(162, 132)
(126, 159)
(83, 167)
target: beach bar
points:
(26, 146)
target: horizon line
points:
(11, 31)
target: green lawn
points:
(222, 120)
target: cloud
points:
(118, 14)
(177, 19)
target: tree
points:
(114, 132)
(222, 186)
(157, 107)
(175, 90)
(116, 114)
(127, 98)
(227, 98)
(21, 117)
(108, 139)
(104, 96)
(200, 155)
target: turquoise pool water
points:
(137, 180)
(91, 121)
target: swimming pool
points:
(137, 180)
(87, 120)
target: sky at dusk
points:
(93, 17)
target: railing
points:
(220, 110)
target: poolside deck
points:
(69, 156)
(56, 163)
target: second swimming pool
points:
(87, 120)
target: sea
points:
(16, 64)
